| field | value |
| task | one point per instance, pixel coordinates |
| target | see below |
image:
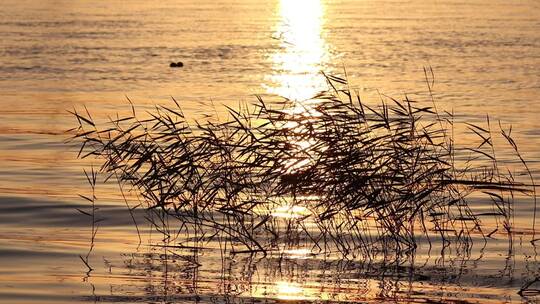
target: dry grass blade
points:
(366, 174)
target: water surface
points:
(60, 55)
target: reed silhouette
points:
(369, 179)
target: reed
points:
(370, 179)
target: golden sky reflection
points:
(303, 50)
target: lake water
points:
(60, 55)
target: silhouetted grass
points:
(372, 179)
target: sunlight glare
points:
(289, 291)
(299, 253)
(303, 50)
(290, 212)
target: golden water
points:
(60, 55)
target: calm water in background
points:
(57, 55)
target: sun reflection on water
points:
(298, 253)
(290, 212)
(302, 54)
(289, 291)
(303, 50)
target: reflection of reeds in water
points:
(371, 179)
(170, 277)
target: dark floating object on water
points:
(178, 64)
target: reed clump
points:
(333, 172)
